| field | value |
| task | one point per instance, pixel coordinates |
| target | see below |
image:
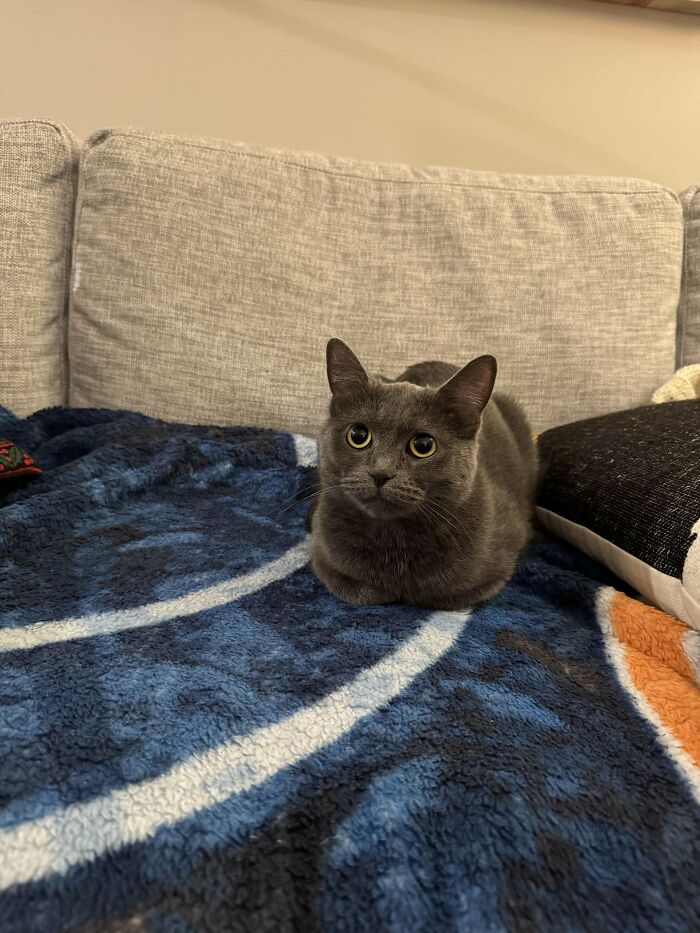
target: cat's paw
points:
(479, 594)
(356, 593)
(362, 595)
(348, 590)
(466, 598)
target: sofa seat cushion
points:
(209, 276)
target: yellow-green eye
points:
(359, 436)
(422, 446)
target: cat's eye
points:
(358, 436)
(422, 446)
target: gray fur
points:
(444, 532)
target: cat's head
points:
(394, 447)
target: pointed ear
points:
(345, 373)
(466, 394)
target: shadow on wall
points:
(582, 17)
(473, 98)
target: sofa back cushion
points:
(37, 170)
(689, 311)
(209, 276)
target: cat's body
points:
(443, 531)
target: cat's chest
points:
(387, 552)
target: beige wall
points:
(510, 85)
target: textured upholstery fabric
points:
(37, 162)
(208, 277)
(689, 311)
(632, 478)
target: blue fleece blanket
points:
(194, 735)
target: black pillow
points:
(625, 488)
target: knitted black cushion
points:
(626, 489)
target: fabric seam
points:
(684, 306)
(653, 192)
(80, 197)
(71, 189)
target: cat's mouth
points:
(383, 503)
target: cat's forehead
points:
(393, 397)
(397, 405)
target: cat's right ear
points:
(345, 373)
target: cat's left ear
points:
(346, 375)
(466, 394)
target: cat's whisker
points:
(442, 512)
(425, 512)
(424, 509)
(444, 524)
(439, 515)
(286, 503)
(275, 514)
(311, 488)
(448, 518)
(278, 510)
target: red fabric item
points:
(15, 462)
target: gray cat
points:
(426, 486)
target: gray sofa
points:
(198, 281)
(194, 734)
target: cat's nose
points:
(380, 478)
